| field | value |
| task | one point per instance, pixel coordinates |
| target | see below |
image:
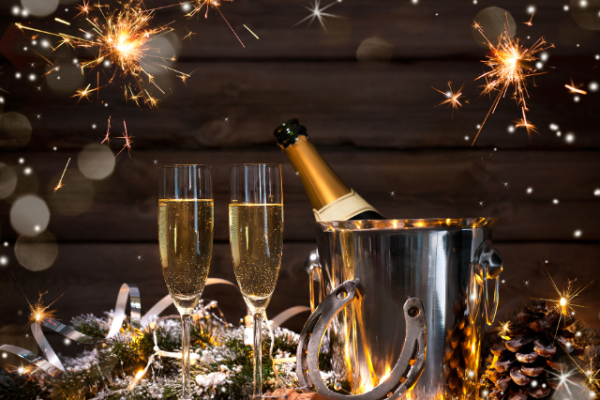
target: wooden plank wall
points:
(375, 123)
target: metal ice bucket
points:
(444, 262)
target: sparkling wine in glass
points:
(185, 234)
(256, 236)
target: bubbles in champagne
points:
(256, 236)
(185, 235)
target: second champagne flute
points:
(185, 235)
(256, 236)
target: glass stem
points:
(257, 355)
(186, 391)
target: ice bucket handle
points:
(488, 265)
(403, 376)
(315, 273)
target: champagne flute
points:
(185, 235)
(256, 236)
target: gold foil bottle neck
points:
(322, 185)
(331, 199)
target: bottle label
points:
(343, 208)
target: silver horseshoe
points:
(405, 373)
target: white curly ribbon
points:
(52, 365)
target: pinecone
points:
(533, 352)
(457, 350)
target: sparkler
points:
(452, 97)
(510, 65)
(317, 12)
(122, 36)
(60, 184)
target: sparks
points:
(317, 12)
(564, 305)
(62, 21)
(83, 8)
(39, 311)
(530, 22)
(60, 184)
(197, 6)
(189, 35)
(129, 95)
(128, 141)
(107, 137)
(510, 65)
(84, 93)
(504, 330)
(529, 127)
(452, 97)
(253, 34)
(574, 88)
(122, 37)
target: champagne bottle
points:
(330, 197)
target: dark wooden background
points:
(375, 123)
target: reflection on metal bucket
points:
(444, 262)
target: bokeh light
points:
(70, 80)
(586, 13)
(26, 183)
(40, 8)
(15, 130)
(493, 21)
(8, 181)
(375, 51)
(167, 46)
(75, 197)
(96, 161)
(36, 253)
(29, 215)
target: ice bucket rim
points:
(403, 224)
